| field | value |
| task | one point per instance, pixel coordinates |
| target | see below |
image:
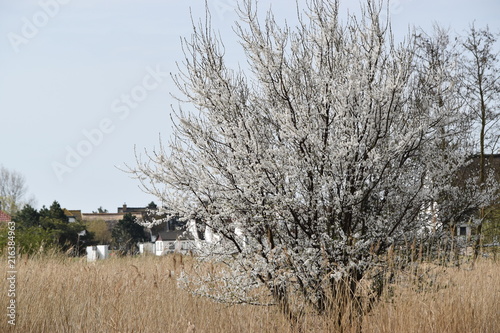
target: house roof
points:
(77, 214)
(173, 235)
(126, 209)
(4, 217)
(108, 217)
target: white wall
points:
(98, 252)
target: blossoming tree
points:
(310, 165)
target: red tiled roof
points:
(4, 217)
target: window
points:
(462, 231)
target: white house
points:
(175, 241)
(170, 241)
(187, 239)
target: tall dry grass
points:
(58, 294)
(465, 299)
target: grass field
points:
(58, 294)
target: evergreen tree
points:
(27, 217)
(126, 234)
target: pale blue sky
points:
(70, 75)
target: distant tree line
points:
(48, 228)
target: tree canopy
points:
(49, 228)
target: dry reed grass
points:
(453, 300)
(58, 294)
